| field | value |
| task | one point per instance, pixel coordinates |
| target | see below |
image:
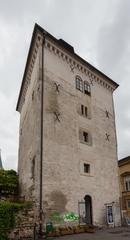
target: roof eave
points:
(80, 58)
(124, 161)
(26, 66)
(91, 67)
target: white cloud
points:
(99, 31)
(8, 131)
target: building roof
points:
(124, 161)
(66, 46)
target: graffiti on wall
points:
(60, 219)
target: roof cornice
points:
(76, 55)
(79, 63)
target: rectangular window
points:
(33, 95)
(86, 112)
(127, 183)
(85, 136)
(82, 109)
(79, 83)
(33, 168)
(126, 186)
(87, 89)
(86, 168)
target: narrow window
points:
(79, 83)
(126, 186)
(82, 109)
(86, 168)
(33, 95)
(86, 112)
(127, 183)
(33, 168)
(87, 89)
(85, 136)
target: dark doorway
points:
(88, 209)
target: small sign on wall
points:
(110, 219)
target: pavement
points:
(122, 233)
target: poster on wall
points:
(109, 210)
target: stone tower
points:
(67, 138)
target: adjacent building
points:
(124, 173)
(67, 137)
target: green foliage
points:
(7, 216)
(8, 182)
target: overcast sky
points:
(99, 30)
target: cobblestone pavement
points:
(106, 234)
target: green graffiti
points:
(70, 217)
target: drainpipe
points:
(41, 138)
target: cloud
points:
(113, 40)
(122, 98)
(98, 30)
(8, 131)
(113, 54)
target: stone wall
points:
(24, 225)
(64, 154)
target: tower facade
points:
(67, 143)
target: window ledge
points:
(89, 118)
(86, 143)
(86, 174)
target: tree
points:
(8, 182)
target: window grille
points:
(79, 83)
(87, 89)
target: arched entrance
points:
(88, 209)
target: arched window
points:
(87, 89)
(79, 83)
